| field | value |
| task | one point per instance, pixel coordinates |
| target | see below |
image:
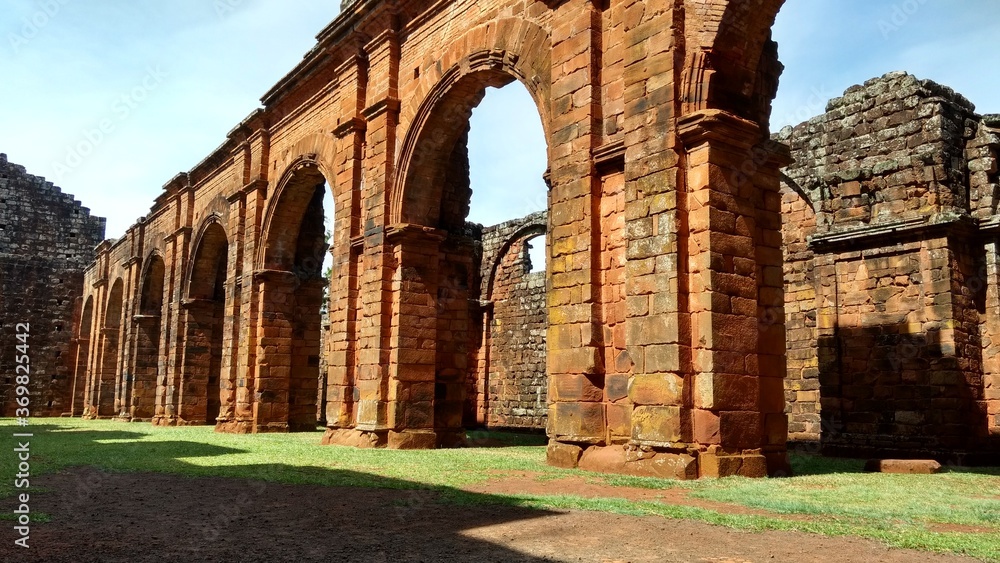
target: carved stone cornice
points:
(353, 125)
(174, 235)
(610, 157)
(386, 105)
(409, 232)
(870, 236)
(718, 127)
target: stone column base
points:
(162, 420)
(413, 440)
(692, 463)
(238, 426)
(354, 438)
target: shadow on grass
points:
(814, 464)
(804, 464)
(127, 497)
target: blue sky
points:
(110, 99)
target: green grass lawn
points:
(827, 496)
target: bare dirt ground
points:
(153, 517)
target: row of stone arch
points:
(133, 334)
(660, 147)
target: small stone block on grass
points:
(903, 466)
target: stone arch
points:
(290, 288)
(148, 347)
(82, 372)
(511, 381)
(440, 119)
(199, 393)
(521, 45)
(731, 62)
(527, 232)
(106, 376)
(437, 262)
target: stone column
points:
(341, 341)
(575, 367)
(274, 350)
(413, 336)
(734, 265)
(991, 341)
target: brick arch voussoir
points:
(515, 47)
(197, 245)
(724, 52)
(528, 47)
(312, 151)
(530, 230)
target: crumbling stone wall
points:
(511, 387)
(887, 226)
(47, 239)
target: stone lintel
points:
(870, 236)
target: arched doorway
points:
(200, 390)
(147, 341)
(438, 260)
(81, 372)
(291, 298)
(103, 395)
(513, 384)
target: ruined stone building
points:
(46, 240)
(892, 312)
(665, 314)
(508, 385)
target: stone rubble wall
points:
(511, 387)
(887, 239)
(47, 238)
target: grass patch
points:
(827, 496)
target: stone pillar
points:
(168, 380)
(413, 337)
(232, 320)
(344, 304)
(250, 288)
(991, 341)
(130, 303)
(78, 392)
(274, 350)
(96, 347)
(574, 364)
(735, 276)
